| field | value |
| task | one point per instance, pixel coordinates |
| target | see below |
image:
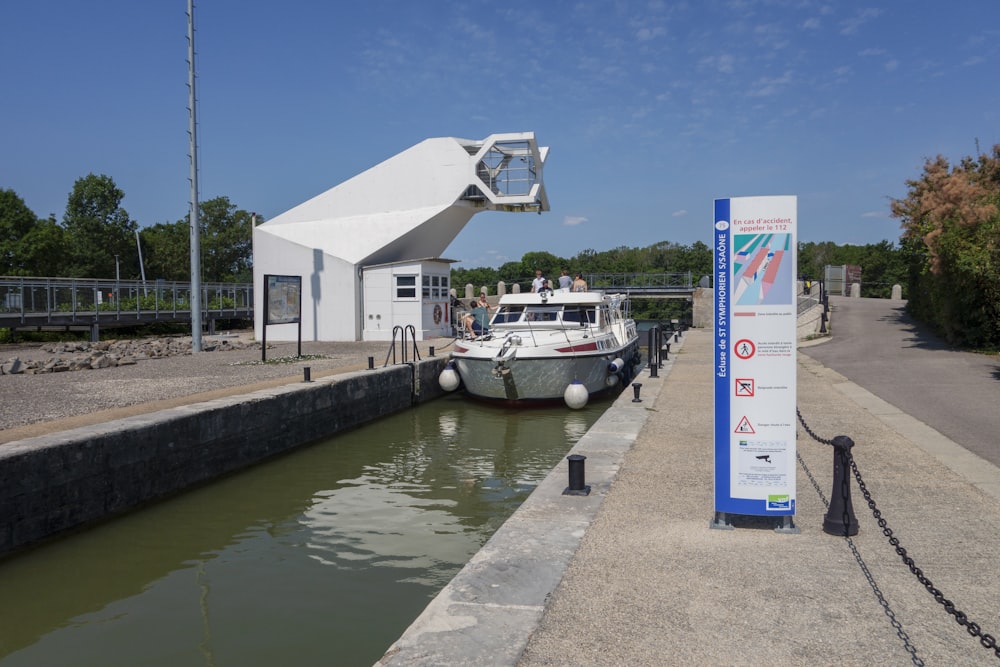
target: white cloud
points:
(680, 213)
(891, 65)
(811, 24)
(574, 220)
(874, 214)
(853, 24)
(646, 34)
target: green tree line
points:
(96, 238)
(947, 260)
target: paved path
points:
(878, 346)
(651, 584)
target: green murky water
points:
(321, 557)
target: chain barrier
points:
(986, 640)
(893, 621)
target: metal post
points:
(839, 519)
(195, 234)
(653, 351)
(636, 388)
(577, 475)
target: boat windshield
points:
(580, 314)
(508, 314)
(511, 314)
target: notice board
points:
(755, 259)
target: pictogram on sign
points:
(744, 348)
(744, 387)
(744, 426)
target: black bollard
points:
(822, 323)
(677, 335)
(577, 482)
(652, 371)
(306, 374)
(371, 363)
(636, 387)
(430, 351)
(652, 352)
(839, 519)
(666, 351)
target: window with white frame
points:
(406, 287)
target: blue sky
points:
(651, 109)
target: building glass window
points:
(406, 288)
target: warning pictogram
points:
(744, 426)
(744, 387)
(744, 348)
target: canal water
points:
(321, 557)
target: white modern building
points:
(368, 250)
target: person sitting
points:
(579, 285)
(483, 303)
(545, 289)
(475, 321)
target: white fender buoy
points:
(576, 395)
(611, 381)
(449, 379)
(616, 366)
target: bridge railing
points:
(39, 301)
(640, 282)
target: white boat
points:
(548, 347)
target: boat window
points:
(579, 314)
(508, 314)
(542, 313)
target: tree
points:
(97, 230)
(166, 250)
(28, 246)
(225, 241)
(16, 222)
(951, 239)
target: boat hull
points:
(540, 379)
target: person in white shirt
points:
(536, 284)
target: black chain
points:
(893, 621)
(987, 640)
(810, 432)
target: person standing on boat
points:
(545, 288)
(564, 280)
(536, 284)
(579, 285)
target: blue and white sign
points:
(754, 241)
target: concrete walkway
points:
(633, 575)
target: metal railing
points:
(30, 301)
(634, 283)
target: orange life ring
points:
(437, 314)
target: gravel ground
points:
(36, 404)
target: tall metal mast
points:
(195, 232)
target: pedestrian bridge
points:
(88, 303)
(646, 285)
